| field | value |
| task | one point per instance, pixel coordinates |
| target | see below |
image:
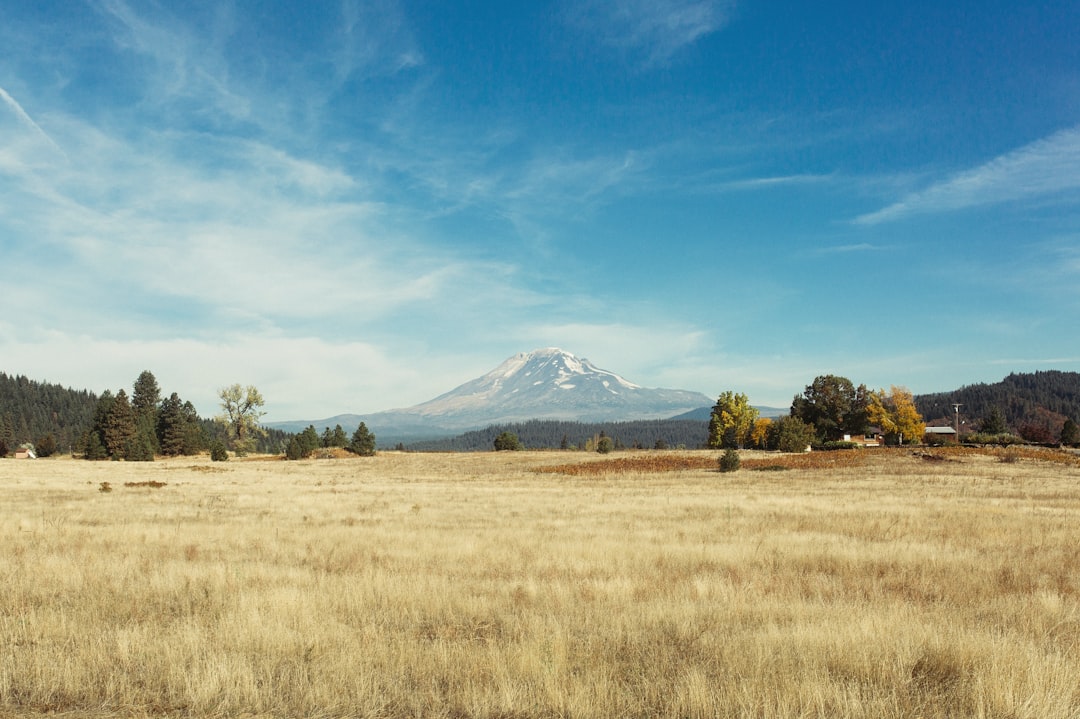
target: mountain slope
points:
(544, 384)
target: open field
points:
(881, 584)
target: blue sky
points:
(358, 205)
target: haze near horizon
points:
(360, 205)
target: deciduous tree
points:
(790, 434)
(833, 405)
(240, 415)
(895, 413)
(732, 421)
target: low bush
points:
(833, 446)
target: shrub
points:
(507, 441)
(833, 446)
(1004, 439)
(729, 460)
(604, 445)
(218, 453)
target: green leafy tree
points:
(732, 421)
(790, 434)
(605, 445)
(241, 411)
(507, 441)
(834, 406)
(363, 442)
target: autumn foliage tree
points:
(241, 411)
(895, 413)
(732, 421)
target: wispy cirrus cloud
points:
(657, 29)
(1043, 168)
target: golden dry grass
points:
(472, 586)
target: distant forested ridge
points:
(559, 434)
(1025, 401)
(31, 410)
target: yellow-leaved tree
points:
(895, 413)
(732, 421)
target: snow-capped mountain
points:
(553, 384)
(546, 383)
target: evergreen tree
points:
(309, 440)
(294, 450)
(218, 453)
(141, 446)
(94, 447)
(339, 438)
(93, 442)
(363, 442)
(119, 428)
(171, 426)
(145, 395)
(195, 437)
(145, 398)
(993, 422)
(1070, 434)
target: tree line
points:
(1028, 408)
(829, 410)
(571, 435)
(1036, 407)
(48, 416)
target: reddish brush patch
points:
(653, 463)
(839, 459)
(658, 463)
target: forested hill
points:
(557, 434)
(1021, 399)
(30, 410)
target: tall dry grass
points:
(472, 586)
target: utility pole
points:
(956, 408)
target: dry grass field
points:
(877, 584)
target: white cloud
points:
(1047, 167)
(300, 377)
(658, 29)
